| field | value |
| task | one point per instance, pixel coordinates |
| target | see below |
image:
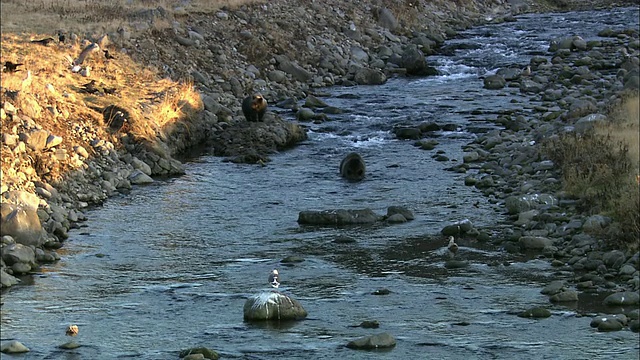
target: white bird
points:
(453, 247)
(274, 278)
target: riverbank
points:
(73, 157)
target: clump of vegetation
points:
(601, 169)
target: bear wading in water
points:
(352, 167)
(254, 107)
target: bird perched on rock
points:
(274, 278)
(526, 71)
(72, 330)
(10, 66)
(452, 246)
(44, 42)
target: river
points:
(170, 265)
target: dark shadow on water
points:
(272, 324)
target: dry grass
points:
(601, 169)
(153, 103)
(93, 16)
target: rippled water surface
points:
(170, 265)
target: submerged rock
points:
(338, 217)
(14, 347)
(378, 341)
(273, 305)
(535, 312)
(203, 351)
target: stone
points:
(614, 259)
(273, 305)
(138, 177)
(384, 340)
(21, 223)
(625, 298)
(609, 325)
(494, 82)
(406, 213)
(70, 345)
(535, 312)
(534, 242)
(369, 76)
(564, 296)
(7, 280)
(338, 217)
(14, 347)
(205, 353)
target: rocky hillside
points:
(87, 113)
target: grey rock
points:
(273, 305)
(368, 76)
(21, 223)
(406, 213)
(554, 287)
(7, 280)
(626, 298)
(614, 259)
(535, 312)
(494, 82)
(295, 70)
(535, 242)
(338, 217)
(13, 347)
(138, 177)
(609, 325)
(564, 296)
(378, 341)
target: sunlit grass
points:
(53, 95)
(601, 169)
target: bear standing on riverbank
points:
(352, 167)
(254, 107)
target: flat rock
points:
(384, 340)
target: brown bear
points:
(352, 167)
(254, 107)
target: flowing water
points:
(170, 265)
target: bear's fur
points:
(352, 167)
(254, 107)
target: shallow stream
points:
(170, 265)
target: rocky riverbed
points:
(285, 51)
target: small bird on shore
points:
(452, 246)
(108, 55)
(274, 278)
(72, 330)
(10, 66)
(44, 42)
(526, 71)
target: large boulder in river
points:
(415, 63)
(273, 305)
(625, 298)
(252, 142)
(494, 82)
(338, 217)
